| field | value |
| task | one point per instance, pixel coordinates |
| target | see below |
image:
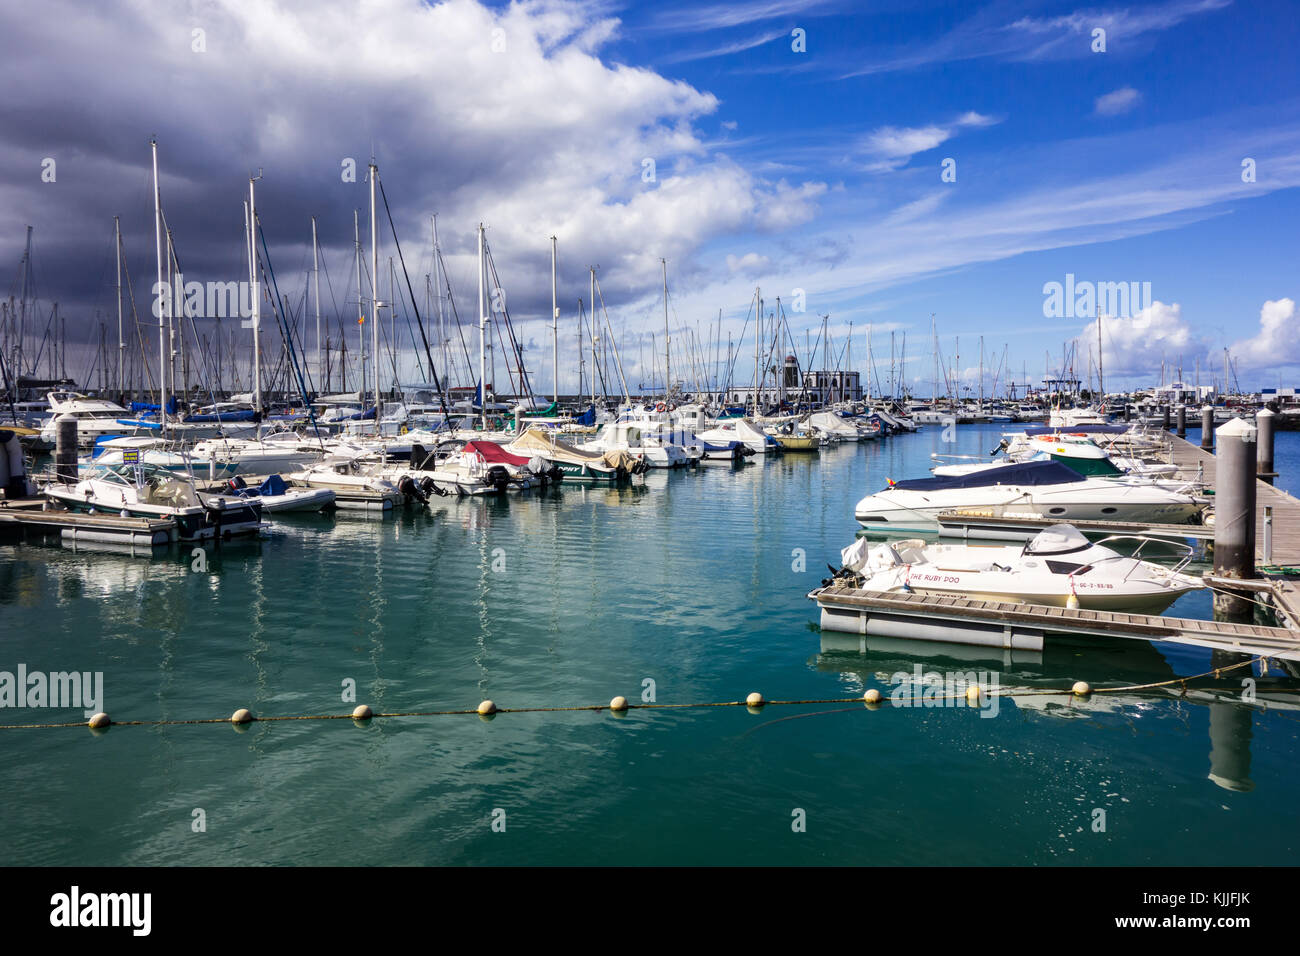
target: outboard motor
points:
(429, 488)
(555, 473)
(410, 490)
(236, 484)
(418, 456)
(498, 477)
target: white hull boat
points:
(1059, 567)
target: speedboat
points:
(1036, 488)
(147, 492)
(1058, 567)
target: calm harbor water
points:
(571, 597)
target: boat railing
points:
(1188, 551)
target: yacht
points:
(1035, 488)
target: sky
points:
(880, 168)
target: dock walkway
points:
(1286, 510)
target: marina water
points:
(692, 587)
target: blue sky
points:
(817, 170)
(1210, 82)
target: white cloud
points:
(1120, 101)
(1276, 343)
(1136, 345)
(750, 263)
(891, 146)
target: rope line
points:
(1215, 673)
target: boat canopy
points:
(1029, 473)
(493, 454)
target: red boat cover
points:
(494, 454)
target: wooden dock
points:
(959, 620)
(1191, 460)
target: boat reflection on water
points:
(1233, 701)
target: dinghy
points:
(276, 495)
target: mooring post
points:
(1128, 412)
(1207, 427)
(1264, 422)
(65, 448)
(1234, 511)
(1182, 421)
(1164, 411)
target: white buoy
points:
(362, 712)
(241, 716)
(1081, 688)
(973, 693)
(872, 696)
(618, 703)
(755, 700)
(487, 708)
(99, 721)
(1072, 600)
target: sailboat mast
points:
(374, 290)
(668, 348)
(361, 310)
(555, 328)
(121, 343)
(315, 259)
(257, 298)
(482, 334)
(164, 301)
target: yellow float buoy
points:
(973, 693)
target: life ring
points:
(404, 430)
(660, 407)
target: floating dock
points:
(26, 516)
(958, 620)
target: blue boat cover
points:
(241, 415)
(273, 485)
(586, 418)
(1078, 430)
(1029, 473)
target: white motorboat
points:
(96, 417)
(1038, 488)
(144, 492)
(629, 438)
(727, 430)
(1059, 567)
